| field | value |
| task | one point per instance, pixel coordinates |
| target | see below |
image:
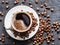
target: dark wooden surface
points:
(55, 16)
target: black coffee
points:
(24, 17)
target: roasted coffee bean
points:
(7, 2)
(3, 39)
(14, 43)
(3, 1)
(1, 13)
(41, 6)
(33, 43)
(16, 2)
(52, 10)
(39, 14)
(0, 39)
(36, 1)
(37, 8)
(23, 1)
(7, 6)
(45, 4)
(1, 19)
(53, 43)
(48, 41)
(31, 6)
(43, 13)
(48, 16)
(3, 35)
(59, 37)
(48, 8)
(30, 3)
(58, 31)
(52, 39)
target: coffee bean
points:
(30, 3)
(1, 13)
(39, 13)
(43, 13)
(3, 39)
(48, 16)
(2, 34)
(0, 39)
(7, 2)
(14, 43)
(45, 4)
(48, 41)
(15, 2)
(41, 6)
(31, 6)
(7, 6)
(59, 37)
(36, 1)
(3, 1)
(52, 39)
(37, 8)
(53, 43)
(23, 1)
(58, 31)
(1, 19)
(48, 8)
(52, 10)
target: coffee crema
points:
(22, 21)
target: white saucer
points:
(8, 17)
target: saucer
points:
(8, 18)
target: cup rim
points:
(28, 26)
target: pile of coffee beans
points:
(45, 27)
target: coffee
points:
(22, 21)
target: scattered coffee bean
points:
(1, 19)
(2, 34)
(7, 2)
(45, 4)
(52, 10)
(53, 43)
(36, 1)
(59, 37)
(30, 3)
(3, 39)
(33, 43)
(48, 16)
(43, 13)
(23, 1)
(37, 8)
(14, 43)
(0, 13)
(31, 6)
(52, 39)
(0, 39)
(48, 41)
(41, 6)
(16, 2)
(48, 8)
(3, 1)
(39, 14)
(58, 31)
(7, 6)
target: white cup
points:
(14, 18)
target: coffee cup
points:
(21, 21)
